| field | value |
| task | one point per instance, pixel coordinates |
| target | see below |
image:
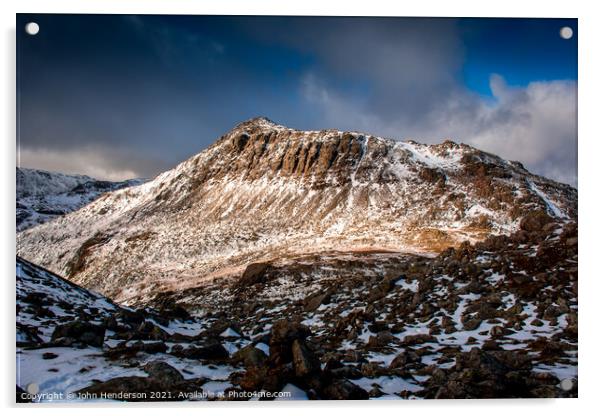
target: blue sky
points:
(117, 96)
(521, 50)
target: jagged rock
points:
(139, 389)
(130, 350)
(134, 386)
(472, 324)
(130, 317)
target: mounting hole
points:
(33, 388)
(566, 32)
(567, 384)
(32, 28)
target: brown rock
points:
(304, 361)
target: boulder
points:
(80, 331)
(250, 357)
(535, 221)
(283, 334)
(404, 358)
(304, 361)
(149, 331)
(163, 373)
(253, 274)
(313, 302)
(210, 350)
(418, 339)
(343, 390)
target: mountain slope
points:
(70, 339)
(264, 191)
(493, 319)
(42, 195)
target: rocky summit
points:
(307, 265)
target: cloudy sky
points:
(131, 96)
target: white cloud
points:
(536, 124)
(94, 163)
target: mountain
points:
(42, 195)
(265, 192)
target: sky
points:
(122, 96)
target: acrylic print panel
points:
(291, 208)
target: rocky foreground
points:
(489, 320)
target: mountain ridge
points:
(43, 195)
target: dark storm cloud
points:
(133, 95)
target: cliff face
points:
(264, 191)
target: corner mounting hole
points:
(566, 32)
(32, 28)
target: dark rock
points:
(81, 331)
(344, 390)
(164, 373)
(304, 361)
(313, 302)
(22, 396)
(472, 324)
(149, 331)
(250, 357)
(378, 326)
(535, 221)
(480, 374)
(129, 317)
(211, 350)
(404, 358)
(418, 339)
(49, 355)
(254, 273)
(381, 339)
(130, 350)
(283, 334)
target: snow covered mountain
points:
(264, 191)
(42, 195)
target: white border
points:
(590, 156)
